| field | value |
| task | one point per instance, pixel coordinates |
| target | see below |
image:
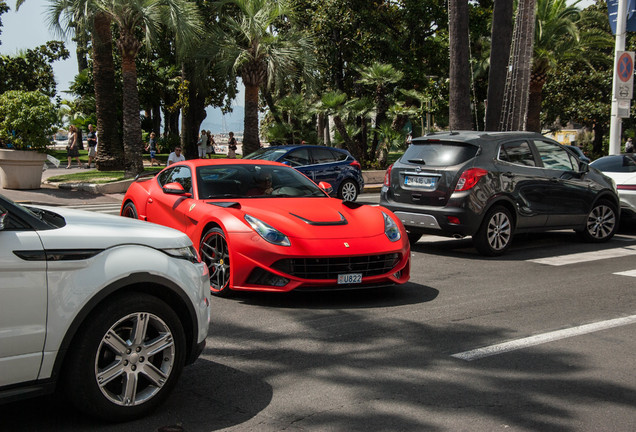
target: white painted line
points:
(631, 273)
(586, 256)
(543, 338)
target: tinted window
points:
(297, 157)
(323, 155)
(555, 157)
(270, 153)
(518, 153)
(179, 174)
(439, 153)
(615, 164)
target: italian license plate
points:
(350, 278)
(426, 182)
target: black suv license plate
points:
(426, 182)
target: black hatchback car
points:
(492, 185)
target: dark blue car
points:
(321, 164)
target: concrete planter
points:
(21, 169)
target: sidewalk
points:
(84, 193)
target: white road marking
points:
(586, 256)
(631, 273)
(543, 338)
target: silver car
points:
(107, 308)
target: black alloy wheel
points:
(216, 256)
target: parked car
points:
(263, 226)
(491, 185)
(106, 308)
(622, 169)
(321, 164)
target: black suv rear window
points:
(439, 153)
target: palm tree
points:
(250, 46)
(556, 37)
(380, 76)
(459, 115)
(80, 15)
(147, 18)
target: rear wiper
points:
(418, 161)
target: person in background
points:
(91, 140)
(203, 144)
(629, 146)
(72, 149)
(231, 146)
(175, 156)
(210, 150)
(152, 148)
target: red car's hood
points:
(316, 217)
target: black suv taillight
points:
(469, 178)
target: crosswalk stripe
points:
(630, 273)
(586, 256)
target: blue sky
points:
(27, 29)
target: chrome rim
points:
(349, 191)
(215, 254)
(134, 359)
(601, 222)
(499, 231)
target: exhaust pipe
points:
(458, 236)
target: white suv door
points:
(23, 300)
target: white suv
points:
(108, 308)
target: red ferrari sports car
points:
(263, 226)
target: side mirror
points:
(175, 188)
(326, 187)
(584, 167)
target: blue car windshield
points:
(272, 154)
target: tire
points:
(601, 224)
(348, 190)
(130, 210)
(106, 355)
(216, 256)
(495, 233)
(413, 237)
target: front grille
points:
(330, 268)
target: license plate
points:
(420, 181)
(350, 278)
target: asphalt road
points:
(391, 359)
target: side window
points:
(297, 157)
(322, 155)
(517, 152)
(555, 157)
(179, 174)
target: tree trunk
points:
(459, 115)
(110, 152)
(192, 116)
(129, 47)
(250, 130)
(499, 56)
(533, 120)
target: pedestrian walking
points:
(72, 149)
(152, 148)
(203, 144)
(211, 143)
(231, 147)
(91, 140)
(629, 146)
